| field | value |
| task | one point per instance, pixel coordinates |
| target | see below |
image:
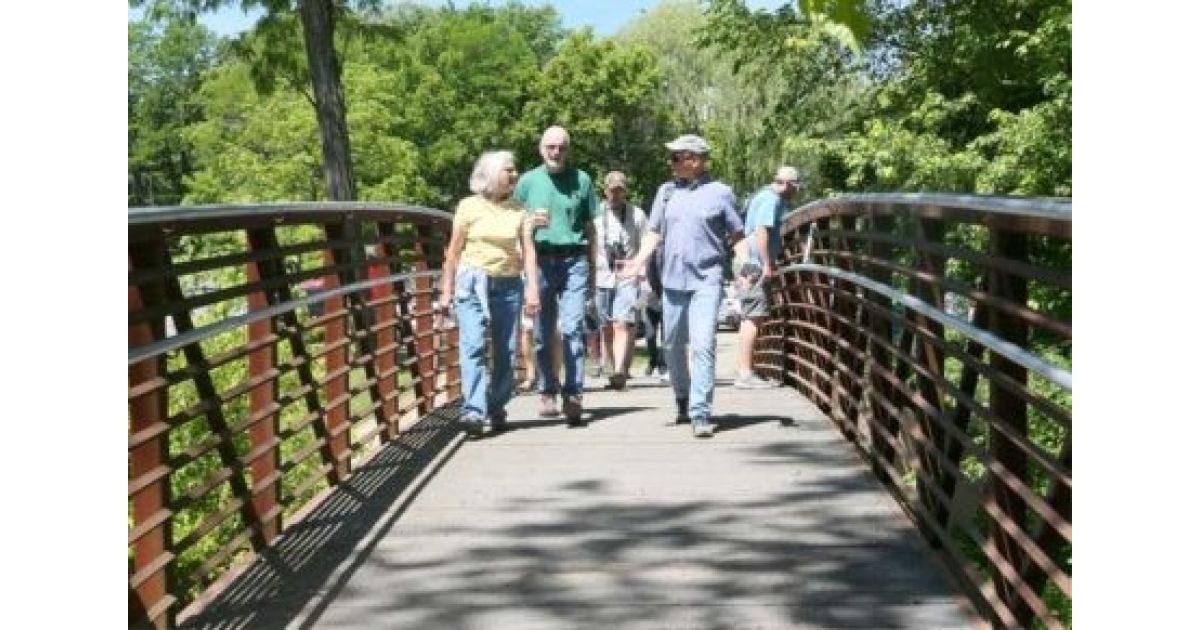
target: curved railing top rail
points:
(210, 216)
(175, 342)
(1012, 351)
(1038, 215)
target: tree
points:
(606, 96)
(318, 18)
(166, 64)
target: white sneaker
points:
(753, 381)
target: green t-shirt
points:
(569, 197)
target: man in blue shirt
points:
(695, 218)
(764, 214)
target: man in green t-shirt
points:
(564, 249)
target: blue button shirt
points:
(695, 221)
(765, 209)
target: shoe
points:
(573, 410)
(549, 407)
(499, 422)
(702, 428)
(753, 381)
(617, 382)
(681, 412)
(664, 375)
(472, 425)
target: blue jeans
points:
(691, 317)
(486, 394)
(563, 287)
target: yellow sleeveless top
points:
(493, 232)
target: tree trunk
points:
(318, 19)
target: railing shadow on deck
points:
(296, 577)
(532, 562)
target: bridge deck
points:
(628, 523)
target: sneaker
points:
(664, 375)
(617, 382)
(702, 428)
(753, 381)
(472, 425)
(573, 410)
(499, 422)
(681, 413)
(549, 407)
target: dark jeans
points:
(653, 319)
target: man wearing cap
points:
(564, 248)
(764, 214)
(695, 218)
(619, 230)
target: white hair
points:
(789, 173)
(485, 177)
(555, 132)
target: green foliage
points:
(607, 97)
(166, 63)
(252, 147)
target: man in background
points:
(754, 275)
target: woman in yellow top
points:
(491, 241)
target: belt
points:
(561, 252)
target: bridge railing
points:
(272, 350)
(935, 331)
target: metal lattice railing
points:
(935, 331)
(272, 350)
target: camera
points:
(615, 252)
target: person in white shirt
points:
(618, 228)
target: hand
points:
(630, 268)
(539, 218)
(769, 270)
(533, 304)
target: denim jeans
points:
(691, 317)
(484, 393)
(563, 283)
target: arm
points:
(529, 260)
(592, 211)
(458, 239)
(761, 243)
(590, 235)
(634, 266)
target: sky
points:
(605, 16)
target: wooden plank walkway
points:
(629, 522)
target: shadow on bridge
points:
(584, 555)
